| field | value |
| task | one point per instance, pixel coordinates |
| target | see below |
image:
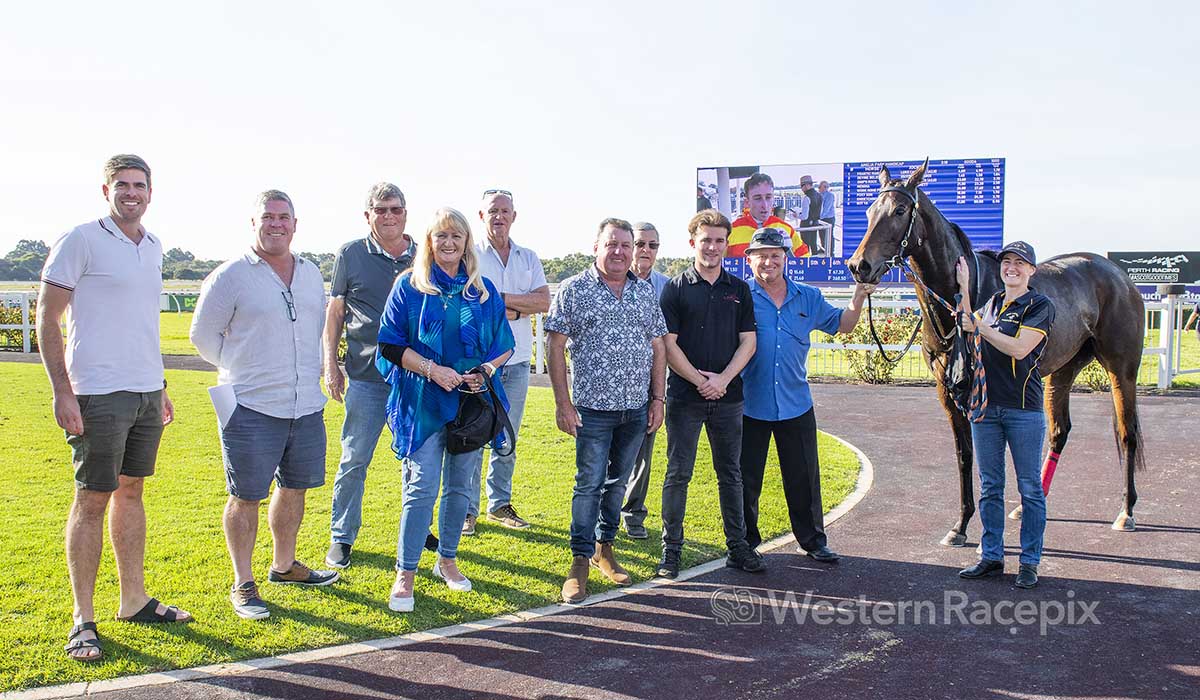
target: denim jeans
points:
(515, 380)
(634, 511)
(722, 422)
(1023, 432)
(605, 446)
(366, 404)
(425, 470)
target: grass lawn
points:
(187, 565)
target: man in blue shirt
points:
(777, 398)
(828, 214)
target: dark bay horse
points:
(1099, 315)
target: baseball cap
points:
(770, 237)
(1022, 250)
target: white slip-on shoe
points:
(461, 586)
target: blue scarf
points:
(433, 312)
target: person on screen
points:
(810, 213)
(759, 192)
(828, 212)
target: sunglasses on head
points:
(489, 193)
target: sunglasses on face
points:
(380, 211)
(652, 245)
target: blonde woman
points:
(442, 319)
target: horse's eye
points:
(899, 211)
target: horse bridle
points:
(898, 260)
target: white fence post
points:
(1166, 342)
(26, 330)
(539, 334)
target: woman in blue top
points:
(442, 319)
(1013, 327)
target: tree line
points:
(24, 263)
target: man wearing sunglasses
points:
(363, 273)
(778, 401)
(517, 272)
(633, 513)
(259, 320)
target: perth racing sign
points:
(1159, 267)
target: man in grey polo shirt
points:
(259, 319)
(109, 393)
(363, 274)
(517, 273)
(633, 514)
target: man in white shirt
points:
(517, 273)
(259, 319)
(633, 513)
(109, 393)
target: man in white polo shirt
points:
(259, 320)
(517, 273)
(109, 393)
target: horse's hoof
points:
(954, 539)
(1015, 514)
(1124, 523)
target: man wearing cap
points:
(759, 195)
(518, 275)
(828, 214)
(633, 513)
(778, 400)
(1013, 327)
(810, 213)
(363, 273)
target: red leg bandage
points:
(1048, 471)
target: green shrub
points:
(1095, 377)
(869, 365)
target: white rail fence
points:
(826, 359)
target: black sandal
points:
(149, 613)
(73, 643)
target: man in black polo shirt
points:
(710, 338)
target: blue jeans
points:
(425, 470)
(366, 404)
(605, 447)
(515, 380)
(1023, 432)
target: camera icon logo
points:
(736, 606)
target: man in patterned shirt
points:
(611, 322)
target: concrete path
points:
(1114, 617)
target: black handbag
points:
(480, 419)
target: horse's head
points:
(888, 222)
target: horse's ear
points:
(914, 180)
(885, 176)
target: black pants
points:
(722, 421)
(796, 445)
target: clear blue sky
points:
(592, 111)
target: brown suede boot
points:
(604, 560)
(574, 589)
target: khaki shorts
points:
(121, 432)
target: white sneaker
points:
(462, 585)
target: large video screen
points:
(826, 205)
